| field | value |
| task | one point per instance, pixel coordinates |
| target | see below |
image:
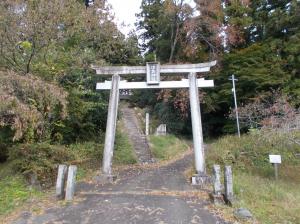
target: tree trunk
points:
(174, 43)
(175, 33)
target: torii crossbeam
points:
(154, 70)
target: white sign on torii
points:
(153, 71)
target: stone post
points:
(217, 180)
(71, 183)
(111, 126)
(60, 182)
(147, 124)
(200, 178)
(228, 182)
(217, 186)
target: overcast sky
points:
(125, 11)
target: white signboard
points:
(275, 159)
(153, 73)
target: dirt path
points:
(141, 195)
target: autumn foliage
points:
(28, 105)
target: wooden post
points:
(275, 160)
(276, 166)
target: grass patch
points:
(123, 153)
(13, 193)
(254, 184)
(269, 201)
(251, 153)
(167, 147)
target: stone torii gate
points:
(153, 71)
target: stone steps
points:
(136, 136)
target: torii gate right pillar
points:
(200, 178)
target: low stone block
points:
(60, 182)
(200, 180)
(243, 214)
(71, 183)
(33, 181)
(161, 130)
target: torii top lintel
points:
(164, 69)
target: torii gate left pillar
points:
(153, 71)
(111, 125)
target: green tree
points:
(47, 36)
(58, 41)
(163, 23)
